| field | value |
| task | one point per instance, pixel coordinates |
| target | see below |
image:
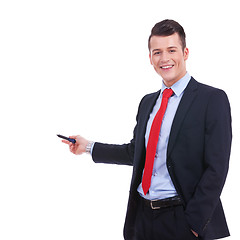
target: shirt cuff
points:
(93, 143)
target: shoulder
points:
(205, 90)
(214, 100)
(147, 103)
(149, 98)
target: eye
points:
(156, 53)
(172, 51)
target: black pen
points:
(66, 138)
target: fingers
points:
(78, 147)
(65, 141)
(195, 234)
(71, 145)
(74, 137)
(72, 148)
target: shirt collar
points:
(179, 86)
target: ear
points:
(186, 53)
(150, 58)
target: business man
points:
(180, 150)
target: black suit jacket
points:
(197, 157)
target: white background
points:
(81, 67)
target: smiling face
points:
(168, 58)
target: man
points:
(180, 150)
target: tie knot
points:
(167, 93)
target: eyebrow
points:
(158, 49)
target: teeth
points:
(166, 67)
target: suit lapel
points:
(187, 99)
(149, 108)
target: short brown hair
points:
(166, 28)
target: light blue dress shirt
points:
(161, 183)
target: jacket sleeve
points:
(218, 136)
(113, 153)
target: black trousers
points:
(162, 224)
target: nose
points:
(164, 57)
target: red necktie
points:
(153, 140)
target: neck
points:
(169, 83)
